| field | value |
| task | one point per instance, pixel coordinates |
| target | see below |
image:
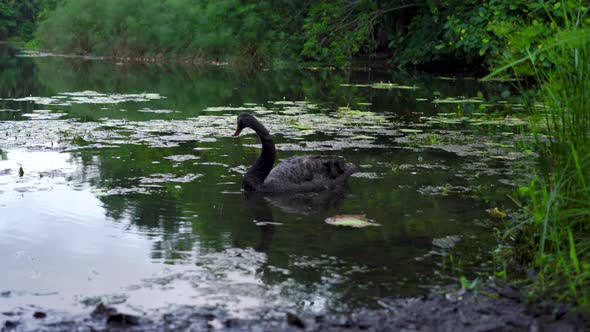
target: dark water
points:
(152, 215)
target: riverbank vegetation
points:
(546, 40)
(331, 32)
(554, 235)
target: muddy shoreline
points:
(495, 308)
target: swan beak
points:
(238, 131)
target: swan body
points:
(295, 174)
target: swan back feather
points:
(308, 173)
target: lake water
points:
(130, 186)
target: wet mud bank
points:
(493, 309)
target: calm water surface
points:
(152, 215)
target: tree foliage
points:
(334, 32)
(18, 18)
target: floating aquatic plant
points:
(382, 85)
(356, 221)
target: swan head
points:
(245, 120)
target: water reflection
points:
(261, 213)
(258, 205)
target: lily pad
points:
(348, 220)
(382, 85)
(356, 85)
(410, 131)
(183, 157)
(149, 110)
(301, 127)
(362, 137)
(460, 100)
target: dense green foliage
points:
(494, 32)
(333, 32)
(556, 231)
(171, 28)
(18, 18)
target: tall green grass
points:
(556, 229)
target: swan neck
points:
(256, 175)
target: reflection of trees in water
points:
(17, 75)
(190, 89)
(160, 218)
(194, 217)
(18, 78)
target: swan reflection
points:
(259, 205)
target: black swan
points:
(295, 174)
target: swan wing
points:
(307, 173)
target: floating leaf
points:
(301, 127)
(362, 137)
(356, 85)
(392, 86)
(348, 220)
(410, 131)
(496, 213)
(452, 100)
